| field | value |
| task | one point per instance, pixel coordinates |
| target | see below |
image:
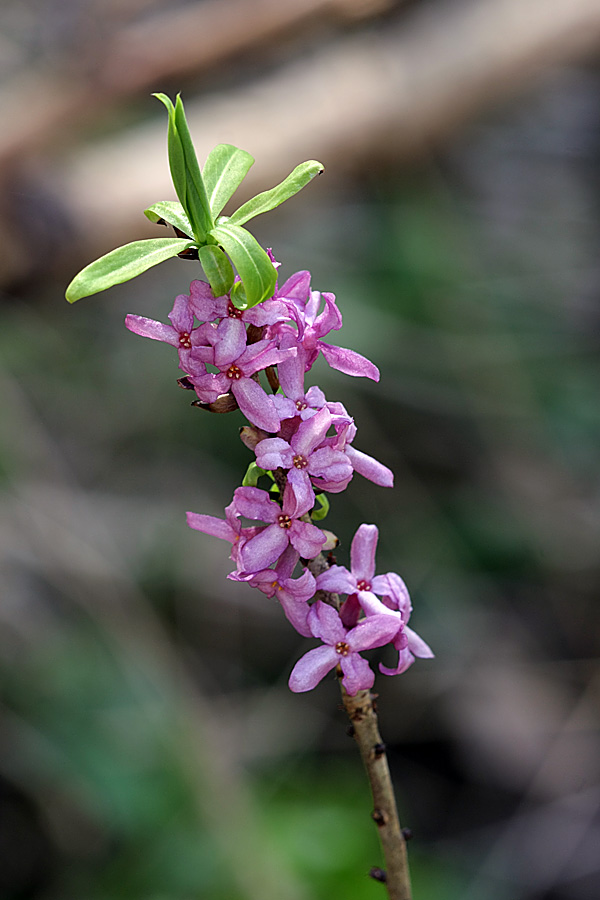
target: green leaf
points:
(196, 192)
(185, 170)
(268, 200)
(254, 267)
(170, 211)
(318, 514)
(175, 150)
(123, 264)
(224, 170)
(253, 473)
(218, 269)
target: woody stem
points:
(365, 730)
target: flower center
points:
(342, 648)
(233, 312)
(284, 521)
(300, 405)
(234, 372)
(276, 586)
(300, 461)
(185, 340)
(363, 585)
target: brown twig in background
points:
(360, 100)
(116, 61)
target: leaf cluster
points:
(220, 242)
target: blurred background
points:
(149, 746)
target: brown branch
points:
(113, 62)
(365, 730)
(360, 100)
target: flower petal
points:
(231, 342)
(180, 317)
(311, 432)
(256, 405)
(273, 453)
(254, 503)
(263, 549)
(337, 579)
(370, 468)
(331, 465)
(362, 552)
(374, 631)
(392, 586)
(358, 674)
(325, 623)
(311, 668)
(296, 613)
(405, 660)
(417, 645)
(300, 483)
(348, 361)
(291, 370)
(307, 539)
(149, 328)
(296, 287)
(212, 525)
(299, 590)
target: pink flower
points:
(285, 528)
(304, 458)
(206, 308)
(340, 647)
(313, 325)
(180, 333)
(361, 579)
(292, 593)
(237, 364)
(365, 465)
(361, 585)
(228, 529)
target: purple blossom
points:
(340, 647)
(285, 528)
(361, 579)
(291, 373)
(365, 465)
(313, 325)
(207, 308)
(228, 529)
(181, 333)
(407, 642)
(303, 457)
(293, 322)
(361, 584)
(237, 363)
(292, 593)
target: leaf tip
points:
(71, 295)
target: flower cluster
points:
(304, 443)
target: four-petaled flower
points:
(181, 333)
(285, 528)
(361, 585)
(237, 364)
(340, 647)
(292, 593)
(228, 529)
(303, 457)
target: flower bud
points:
(251, 435)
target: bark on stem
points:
(361, 712)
